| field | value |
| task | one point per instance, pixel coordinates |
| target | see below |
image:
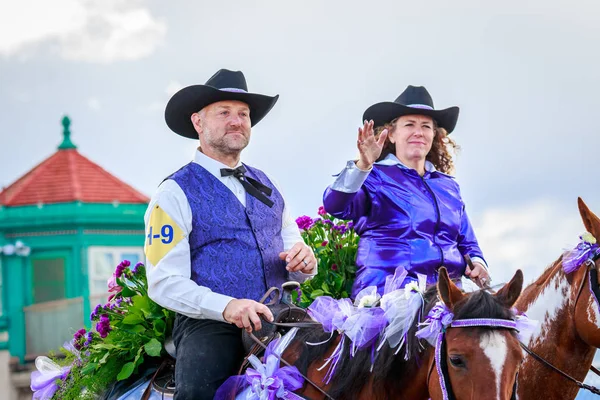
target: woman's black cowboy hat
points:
(414, 100)
(224, 85)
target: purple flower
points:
(324, 243)
(350, 225)
(95, 313)
(103, 326)
(304, 222)
(88, 338)
(328, 222)
(340, 228)
(334, 267)
(121, 268)
(136, 268)
(321, 211)
(77, 338)
(113, 286)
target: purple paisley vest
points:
(234, 249)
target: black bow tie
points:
(252, 186)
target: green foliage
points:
(128, 331)
(334, 243)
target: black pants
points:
(208, 352)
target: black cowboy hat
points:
(414, 100)
(224, 85)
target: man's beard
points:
(229, 146)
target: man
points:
(218, 234)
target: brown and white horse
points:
(479, 362)
(568, 332)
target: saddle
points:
(286, 315)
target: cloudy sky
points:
(524, 73)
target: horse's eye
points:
(457, 362)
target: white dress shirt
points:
(169, 281)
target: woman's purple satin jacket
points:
(407, 220)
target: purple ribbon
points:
(438, 363)
(361, 325)
(331, 313)
(402, 302)
(524, 325)
(45, 381)
(438, 319)
(364, 327)
(584, 251)
(266, 381)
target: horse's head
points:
(480, 362)
(587, 312)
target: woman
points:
(406, 209)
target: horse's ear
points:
(449, 293)
(590, 220)
(509, 294)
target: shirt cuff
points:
(214, 305)
(480, 261)
(350, 179)
(300, 276)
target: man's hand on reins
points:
(299, 258)
(244, 314)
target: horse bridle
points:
(594, 286)
(439, 359)
(287, 325)
(595, 289)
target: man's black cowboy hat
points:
(414, 100)
(224, 85)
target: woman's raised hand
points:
(369, 147)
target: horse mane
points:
(548, 271)
(390, 372)
(481, 304)
(353, 374)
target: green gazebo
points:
(64, 226)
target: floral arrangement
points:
(334, 243)
(128, 331)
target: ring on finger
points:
(305, 263)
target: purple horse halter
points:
(439, 319)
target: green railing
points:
(49, 325)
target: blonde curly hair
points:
(441, 151)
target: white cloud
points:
(152, 108)
(159, 105)
(26, 22)
(23, 97)
(94, 104)
(173, 87)
(528, 237)
(82, 30)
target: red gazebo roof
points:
(68, 176)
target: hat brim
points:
(194, 98)
(382, 113)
